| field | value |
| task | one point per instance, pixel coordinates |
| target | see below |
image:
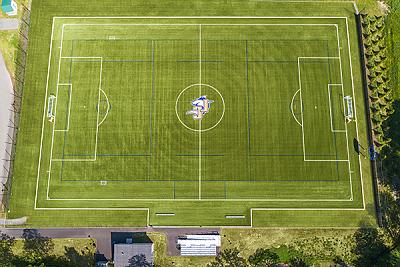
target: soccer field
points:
(116, 136)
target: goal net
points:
(349, 108)
(50, 108)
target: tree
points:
(229, 258)
(369, 246)
(297, 262)
(139, 261)
(6, 253)
(36, 246)
(263, 258)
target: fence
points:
(15, 109)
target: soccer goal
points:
(349, 108)
(50, 108)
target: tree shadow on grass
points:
(369, 247)
(83, 259)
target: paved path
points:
(103, 235)
(6, 99)
(8, 24)
(5, 102)
(18, 221)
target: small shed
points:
(9, 7)
(128, 245)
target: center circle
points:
(211, 119)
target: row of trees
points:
(382, 60)
(381, 67)
(365, 247)
(380, 92)
(37, 251)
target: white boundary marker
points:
(196, 17)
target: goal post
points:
(349, 108)
(50, 108)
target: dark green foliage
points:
(297, 262)
(379, 87)
(391, 213)
(229, 258)
(263, 258)
(74, 258)
(36, 246)
(139, 261)
(36, 253)
(369, 246)
(6, 254)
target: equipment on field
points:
(50, 108)
(349, 108)
(372, 153)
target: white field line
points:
(291, 108)
(196, 24)
(344, 110)
(355, 113)
(76, 160)
(98, 109)
(307, 1)
(55, 114)
(205, 199)
(44, 114)
(83, 58)
(108, 107)
(200, 119)
(330, 107)
(185, 199)
(331, 160)
(301, 110)
(69, 106)
(200, 17)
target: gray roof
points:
(124, 252)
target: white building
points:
(199, 245)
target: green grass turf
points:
(128, 133)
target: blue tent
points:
(6, 6)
